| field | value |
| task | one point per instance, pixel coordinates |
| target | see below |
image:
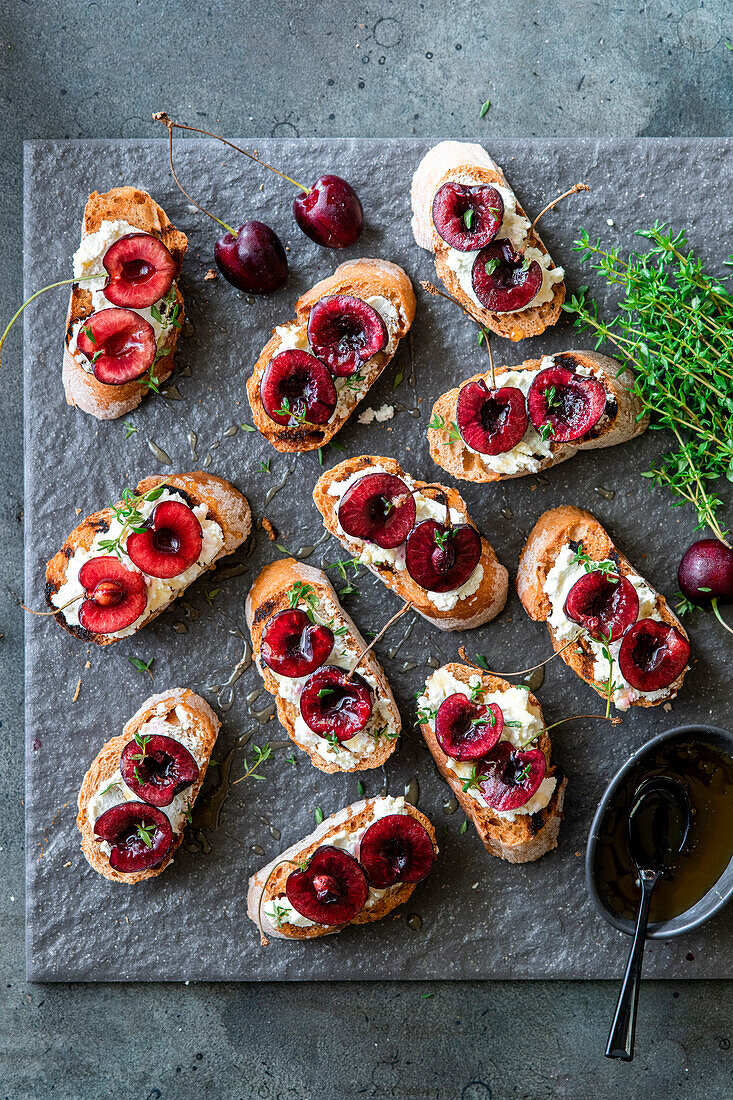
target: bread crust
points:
(620, 427)
(362, 278)
(529, 836)
(226, 505)
(485, 603)
(447, 161)
(268, 595)
(107, 761)
(138, 208)
(552, 532)
(353, 817)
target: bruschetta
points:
(138, 793)
(417, 538)
(487, 254)
(314, 370)
(119, 568)
(607, 623)
(126, 310)
(304, 645)
(356, 867)
(488, 741)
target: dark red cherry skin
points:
(467, 730)
(115, 596)
(330, 213)
(441, 568)
(570, 403)
(129, 851)
(491, 421)
(606, 606)
(140, 271)
(706, 572)
(292, 645)
(652, 655)
(331, 890)
(500, 280)
(378, 508)
(396, 848)
(344, 332)
(119, 343)
(513, 776)
(301, 386)
(158, 770)
(254, 260)
(467, 218)
(171, 544)
(334, 706)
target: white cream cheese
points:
(159, 592)
(521, 720)
(383, 413)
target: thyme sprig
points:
(260, 756)
(127, 513)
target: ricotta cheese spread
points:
(159, 592)
(521, 720)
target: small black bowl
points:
(717, 896)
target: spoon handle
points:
(621, 1037)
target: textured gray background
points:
(99, 70)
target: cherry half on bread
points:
(467, 730)
(571, 404)
(114, 596)
(511, 776)
(140, 836)
(331, 890)
(440, 558)
(378, 508)
(491, 421)
(502, 280)
(140, 271)
(605, 605)
(334, 703)
(652, 655)
(396, 848)
(296, 389)
(292, 645)
(157, 768)
(119, 343)
(171, 542)
(344, 332)
(467, 218)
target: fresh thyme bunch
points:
(674, 327)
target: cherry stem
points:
(718, 616)
(62, 282)
(523, 671)
(484, 332)
(446, 502)
(571, 191)
(282, 863)
(405, 608)
(55, 611)
(163, 117)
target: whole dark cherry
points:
(252, 258)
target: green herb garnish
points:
(438, 424)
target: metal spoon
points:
(659, 821)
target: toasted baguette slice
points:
(269, 883)
(528, 836)
(174, 709)
(620, 422)
(364, 279)
(484, 604)
(552, 533)
(270, 593)
(225, 506)
(464, 162)
(137, 208)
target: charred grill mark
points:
(265, 610)
(536, 821)
(99, 525)
(67, 551)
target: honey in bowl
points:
(707, 773)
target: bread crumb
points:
(271, 530)
(88, 664)
(78, 511)
(384, 412)
(210, 274)
(78, 689)
(667, 707)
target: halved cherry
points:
(570, 403)
(171, 543)
(652, 655)
(503, 280)
(345, 332)
(335, 705)
(605, 605)
(491, 421)
(439, 558)
(115, 596)
(119, 343)
(296, 387)
(141, 271)
(294, 646)
(157, 768)
(378, 508)
(467, 730)
(331, 890)
(512, 775)
(396, 848)
(467, 218)
(140, 836)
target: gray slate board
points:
(480, 917)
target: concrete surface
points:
(99, 69)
